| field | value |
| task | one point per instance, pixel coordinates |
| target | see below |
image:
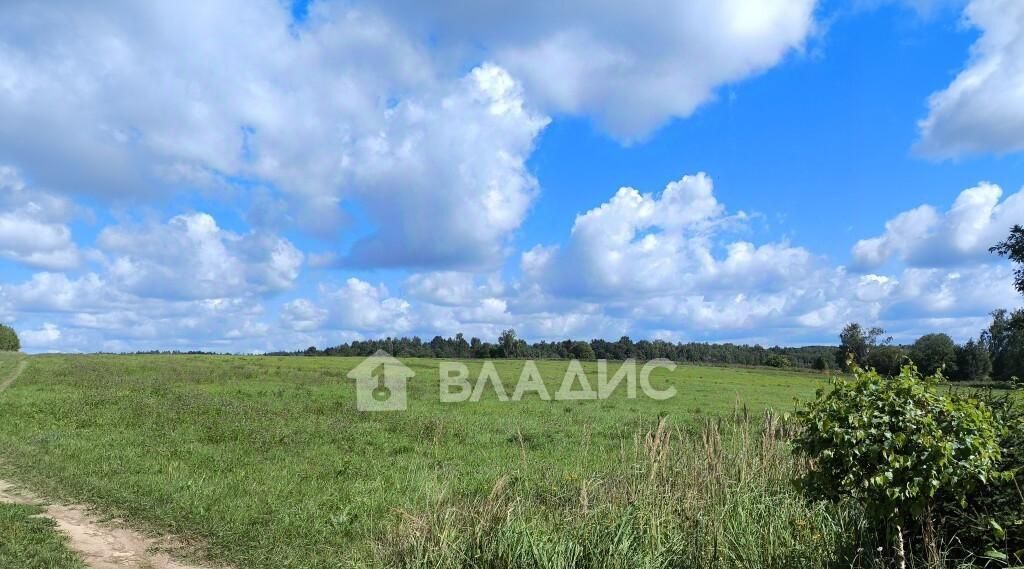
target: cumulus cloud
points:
(344, 108)
(91, 312)
(33, 225)
(662, 264)
(45, 337)
(982, 110)
(302, 315)
(925, 237)
(191, 257)
(632, 66)
(638, 244)
(452, 288)
(446, 182)
(361, 306)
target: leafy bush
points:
(890, 446)
(9, 339)
(992, 521)
(778, 360)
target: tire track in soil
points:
(101, 544)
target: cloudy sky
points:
(259, 175)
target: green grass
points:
(268, 463)
(28, 541)
(8, 362)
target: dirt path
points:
(14, 374)
(101, 545)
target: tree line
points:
(997, 353)
(509, 345)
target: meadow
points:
(265, 462)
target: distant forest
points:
(998, 352)
(509, 346)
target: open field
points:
(266, 463)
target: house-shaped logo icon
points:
(381, 383)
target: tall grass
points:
(716, 496)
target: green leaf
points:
(993, 554)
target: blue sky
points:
(269, 176)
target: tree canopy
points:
(856, 342)
(9, 341)
(1013, 248)
(933, 353)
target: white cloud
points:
(924, 237)
(191, 257)
(363, 307)
(33, 225)
(651, 264)
(302, 315)
(632, 66)
(982, 110)
(446, 182)
(159, 97)
(452, 288)
(45, 337)
(90, 313)
(639, 244)
(56, 292)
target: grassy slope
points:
(30, 542)
(269, 463)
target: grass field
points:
(266, 463)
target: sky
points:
(258, 175)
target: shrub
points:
(9, 339)
(992, 521)
(778, 360)
(890, 446)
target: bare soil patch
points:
(102, 544)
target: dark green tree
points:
(857, 342)
(1004, 341)
(582, 351)
(887, 360)
(1013, 248)
(972, 362)
(510, 345)
(461, 346)
(933, 353)
(9, 341)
